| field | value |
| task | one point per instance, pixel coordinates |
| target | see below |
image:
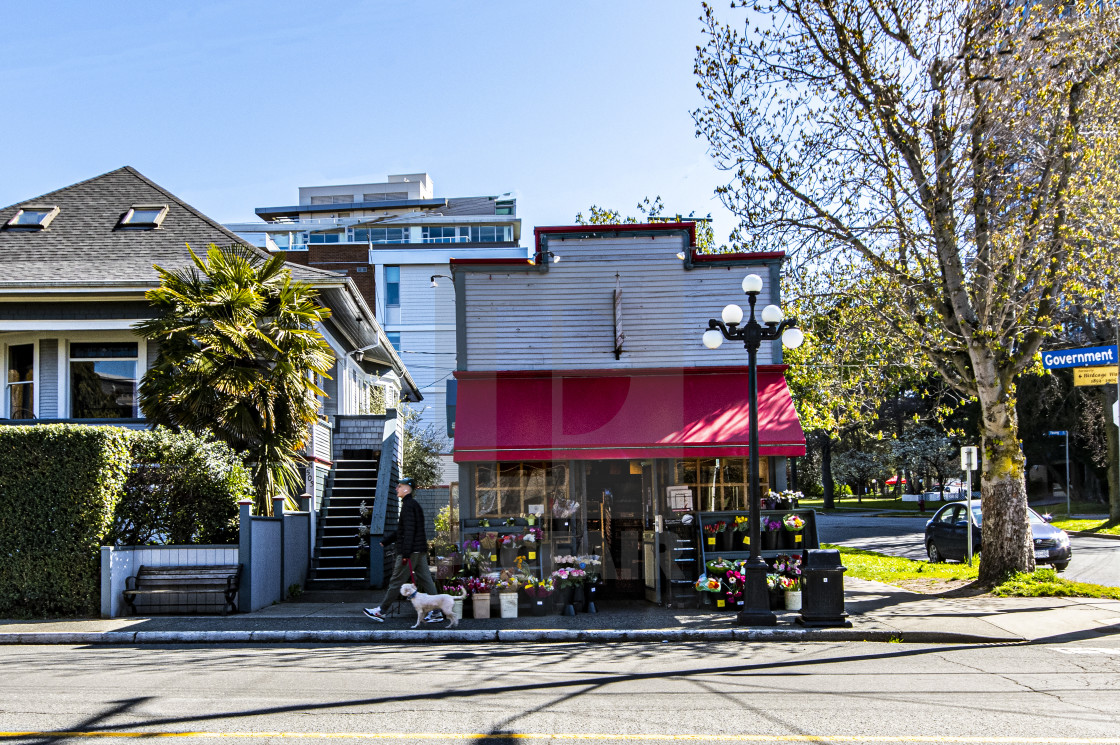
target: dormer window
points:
(33, 217)
(144, 216)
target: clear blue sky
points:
(233, 105)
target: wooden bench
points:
(162, 583)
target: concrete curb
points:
(536, 636)
(1090, 534)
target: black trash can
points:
(822, 590)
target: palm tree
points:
(238, 357)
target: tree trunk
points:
(1108, 397)
(1006, 537)
(826, 471)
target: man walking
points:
(411, 564)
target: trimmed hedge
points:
(181, 489)
(59, 486)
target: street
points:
(729, 692)
(1095, 560)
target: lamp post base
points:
(756, 598)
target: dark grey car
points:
(946, 536)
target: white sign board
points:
(969, 458)
(1116, 413)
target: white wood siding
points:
(563, 319)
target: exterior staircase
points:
(334, 566)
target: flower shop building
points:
(586, 401)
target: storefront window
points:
(719, 483)
(513, 489)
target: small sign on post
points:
(969, 463)
(968, 458)
(1094, 375)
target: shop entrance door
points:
(617, 514)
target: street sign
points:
(1095, 375)
(1057, 433)
(1085, 357)
(968, 458)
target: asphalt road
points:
(1095, 560)
(762, 693)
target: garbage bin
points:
(822, 588)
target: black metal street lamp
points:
(756, 598)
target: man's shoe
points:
(434, 616)
(375, 614)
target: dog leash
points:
(411, 573)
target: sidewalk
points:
(878, 613)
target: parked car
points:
(946, 536)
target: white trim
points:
(82, 324)
(35, 387)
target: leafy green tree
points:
(423, 446)
(859, 467)
(654, 211)
(925, 450)
(238, 356)
(963, 153)
(182, 489)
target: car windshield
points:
(1032, 516)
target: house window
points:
(324, 238)
(393, 286)
(144, 216)
(32, 217)
(380, 235)
(441, 234)
(718, 483)
(21, 381)
(103, 380)
(511, 489)
(394, 339)
(491, 234)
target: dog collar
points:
(406, 597)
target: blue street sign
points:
(1057, 433)
(1087, 357)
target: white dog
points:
(422, 602)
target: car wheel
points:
(935, 556)
(1060, 566)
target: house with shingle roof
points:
(76, 264)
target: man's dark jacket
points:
(409, 535)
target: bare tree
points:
(955, 151)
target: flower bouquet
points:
(712, 532)
(489, 542)
(530, 541)
(732, 589)
(794, 524)
(718, 566)
(539, 593)
(708, 584)
(791, 586)
(479, 588)
(507, 595)
(507, 548)
(774, 586)
(565, 560)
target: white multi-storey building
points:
(396, 239)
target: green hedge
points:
(181, 489)
(59, 486)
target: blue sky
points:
(233, 105)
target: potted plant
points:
(565, 587)
(708, 587)
(733, 589)
(593, 565)
(712, 532)
(539, 594)
(479, 588)
(453, 586)
(794, 524)
(718, 567)
(771, 533)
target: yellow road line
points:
(580, 736)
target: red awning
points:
(619, 414)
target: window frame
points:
(51, 211)
(395, 285)
(5, 408)
(66, 393)
(128, 221)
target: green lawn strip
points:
(882, 568)
(1044, 582)
(866, 504)
(1089, 526)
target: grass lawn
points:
(1088, 526)
(926, 577)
